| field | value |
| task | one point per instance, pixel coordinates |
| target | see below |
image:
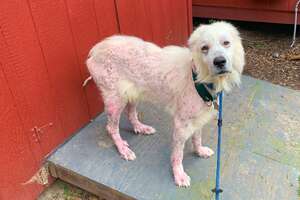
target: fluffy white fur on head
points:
(220, 39)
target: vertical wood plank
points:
(107, 19)
(190, 16)
(162, 31)
(16, 159)
(179, 15)
(23, 65)
(57, 44)
(133, 19)
(164, 22)
(88, 29)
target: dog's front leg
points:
(202, 151)
(179, 139)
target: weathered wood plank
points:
(260, 149)
(102, 191)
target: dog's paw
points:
(204, 152)
(182, 179)
(144, 129)
(125, 151)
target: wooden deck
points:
(260, 152)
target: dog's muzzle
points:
(220, 65)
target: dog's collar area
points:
(205, 90)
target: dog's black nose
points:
(220, 62)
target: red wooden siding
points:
(57, 46)
(43, 48)
(279, 11)
(15, 151)
(163, 22)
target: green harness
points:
(204, 90)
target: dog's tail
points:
(86, 81)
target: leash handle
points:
(217, 189)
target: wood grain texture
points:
(58, 47)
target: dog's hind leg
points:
(202, 151)
(138, 126)
(114, 107)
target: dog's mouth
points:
(223, 72)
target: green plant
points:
(67, 192)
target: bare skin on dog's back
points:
(139, 69)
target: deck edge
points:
(98, 189)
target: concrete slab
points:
(260, 151)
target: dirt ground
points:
(268, 56)
(60, 190)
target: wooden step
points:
(260, 152)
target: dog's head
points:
(218, 54)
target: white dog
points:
(127, 69)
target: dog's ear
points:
(238, 55)
(194, 38)
(238, 59)
(194, 46)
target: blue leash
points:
(217, 189)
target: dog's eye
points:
(226, 43)
(205, 49)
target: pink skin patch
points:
(122, 145)
(112, 108)
(180, 177)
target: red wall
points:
(275, 11)
(43, 47)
